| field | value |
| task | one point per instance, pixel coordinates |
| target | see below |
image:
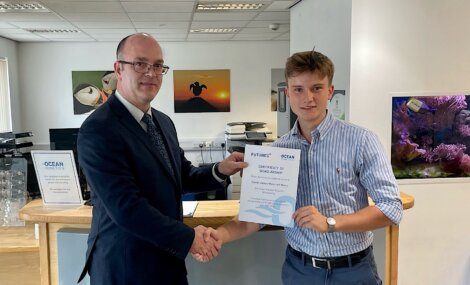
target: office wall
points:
(405, 46)
(9, 49)
(419, 45)
(325, 25)
(47, 84)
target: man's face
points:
(308, 95)
(139, 88)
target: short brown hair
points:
(312, 61)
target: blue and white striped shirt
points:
(341, 167)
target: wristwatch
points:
(331, 222)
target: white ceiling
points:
(111, 20)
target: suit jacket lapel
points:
(134, 127)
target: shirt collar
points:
(135, 112)
(322, 128)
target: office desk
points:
(208, 213)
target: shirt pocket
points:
(342, 180)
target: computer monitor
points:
(66, 139)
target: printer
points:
(237, 135)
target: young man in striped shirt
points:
(341, 165)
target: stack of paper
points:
(188, 208)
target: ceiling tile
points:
(158, 7)
(273, 16)
(262, 30)
(52, 1)
(43, 25)
(163, 31)
(283, 37)
(72, 40)
(160, 37)
(260, 37)
(218, 24)
(163, 25)
(65, 36)
(104, 25)
(109, 37)
(224, 16)
(4, 25)
(111, 20)
(13, 31)
(209, 37)
(279, 6)
(265, 24)
(95, 17)
(24, 37)
(84, 7)
(158, 1)
(29, 17)
(158, 17)
(109, 31)
(249, 1)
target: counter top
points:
(208, 213)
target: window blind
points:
(5, 108)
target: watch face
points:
(331, 221)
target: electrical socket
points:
(208, 143)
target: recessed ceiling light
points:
(219, 7)
(214, 31)
(22, 7)
(53, 31)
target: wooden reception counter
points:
(208, 213)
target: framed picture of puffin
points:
(197, 91)
(91, 89)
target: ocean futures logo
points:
(287, 157)
(258, 154)
(53, 165)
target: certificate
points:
(57, 177)
(269, 185)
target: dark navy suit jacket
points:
(137, 234)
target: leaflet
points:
(269, 185)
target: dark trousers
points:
(296, 271)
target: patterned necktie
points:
(157, 140)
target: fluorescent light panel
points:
(204, 7)
(22, 7)
(214, 31)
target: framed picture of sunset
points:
(198, 91)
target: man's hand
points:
(205, 246)
(310, 217)
(204, 249)
(232, 164)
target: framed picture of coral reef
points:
(430, 136)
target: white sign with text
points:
(57, 177)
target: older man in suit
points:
(131, 158)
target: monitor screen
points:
(66, 139)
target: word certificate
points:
(269, 185)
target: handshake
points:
(206, 244)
